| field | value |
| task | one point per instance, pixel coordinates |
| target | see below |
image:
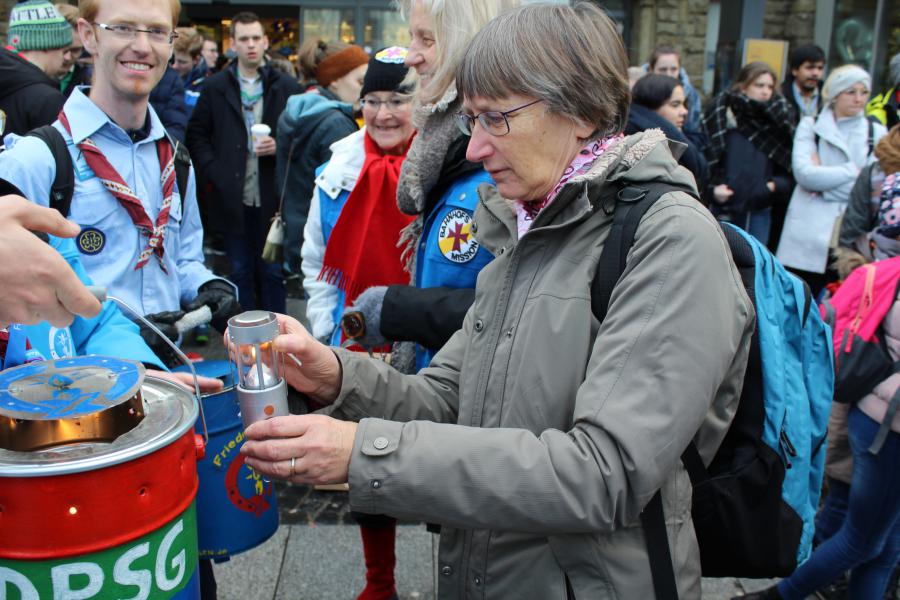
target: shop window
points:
(383, 28)
(852, 40)
(329, 24)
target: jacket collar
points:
(342, 171)
(826, 128)
(86, 119)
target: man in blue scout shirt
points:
(140, 236)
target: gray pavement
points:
(319, 562)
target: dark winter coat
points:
(81, 75)
(167, 99)
(310, 124)
(641, 118)
(861, 216)
(27, 95)
(218, 141)
(747, 170)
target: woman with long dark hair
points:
(659, 102)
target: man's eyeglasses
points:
(394, 105)
(494, 122)
(124, 31)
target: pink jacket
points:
(875, 404)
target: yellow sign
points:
(771, 52)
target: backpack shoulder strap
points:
(182, 167)
(63, 186)
(653, 521)
(632, 203)
(871, 136)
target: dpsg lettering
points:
(140, 571)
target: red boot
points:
(378, 549)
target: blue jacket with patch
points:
(448, 256)
(110, 333)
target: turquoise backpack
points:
(754, 504)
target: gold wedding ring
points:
(293, 460)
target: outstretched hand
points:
(38, 283)
(312, 449)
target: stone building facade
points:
(5, 5)
(645, 23)
(681, 23)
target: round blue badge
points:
(91, 241)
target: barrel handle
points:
(100, 294)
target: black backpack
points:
(63, 186)
(743, 525)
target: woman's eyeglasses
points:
(394, 105)
(494, 122)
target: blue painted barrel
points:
(236, 508)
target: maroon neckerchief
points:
(114, 183)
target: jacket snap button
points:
(477, 580)
(502, 250)
(376, 484)
(479, 325)
(380, 443)
(446, 570)
(462, 196)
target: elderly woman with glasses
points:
(538, 434)
(350, 244)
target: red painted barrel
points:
(106, 520)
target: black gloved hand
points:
(365, 325)
(165, 322)
(219, 296)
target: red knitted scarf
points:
(362, 251)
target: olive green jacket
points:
(537, 435)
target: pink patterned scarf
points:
(527, 212)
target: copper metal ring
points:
(293, 472)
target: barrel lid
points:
(67, 387)
(169, 412)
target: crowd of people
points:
(454, 196)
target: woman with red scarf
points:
(350, 245)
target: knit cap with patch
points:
(386, 71)
(36, 25)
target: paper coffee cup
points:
(259, 131)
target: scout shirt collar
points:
(86, 119)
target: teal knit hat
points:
(36, 25)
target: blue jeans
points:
(757, 223)
(830, 518)
(868, 542)
(260, 284)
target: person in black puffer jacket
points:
(658, 102)
(167, 99)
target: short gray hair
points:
(571, 58)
